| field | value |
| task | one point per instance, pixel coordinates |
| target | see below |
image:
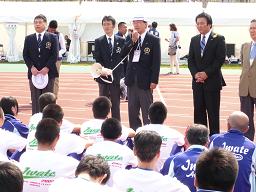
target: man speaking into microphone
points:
(142, 71)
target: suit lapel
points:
(208, 43)
(144, 44)
(35, 45)
(197, 46)
(105, 44)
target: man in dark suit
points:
(108, 50)
(142, 71)
(40, 54)
(206, 55)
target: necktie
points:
(202, 45)
(253, 51)
(110, 46)
(139, 43)
(39, 40)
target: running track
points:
(78, 90)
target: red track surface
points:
(77, 91)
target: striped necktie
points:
(110, 47)
(202, 45)
(39, 41)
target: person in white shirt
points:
(118, 156)
(11, 179)
(52, 28)
(42, 166)
(144, 179)
(9, 140)
(91, 129)
(91, 174)
(68, 143)
(44, 100)
(172, 140)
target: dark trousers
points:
(138, 99)
(112, 91)
(247, 105)
(35, 94)
(207, 103)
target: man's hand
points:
(135, 36)
(34, 70)
(200, 77)
(153, 86)
(44, 71)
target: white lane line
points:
(161, 96)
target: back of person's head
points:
(9, 105)
(95, 166)
(53, 24)
(47, 130)
(238, 120)
(111, 129)
(11, 179)
(101, 107)
(173, 27)
(154, 24)
(197, 134)
(157, 112)
(109, 18)
(147, 145)
(53, 111)
(206, 16)
(46, 99)
(216, 169)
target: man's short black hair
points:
(253, 21)
(111, 129)
(46, 99)
(146, 145)
(95, 166)
(157, 112)
(7, 103)
(101, 107)
(216, 169)
(197, 134)
(53, 24)
(154, 24)
(11, 179)
(109, 18)
(206, 16)
(121, 23)
(53, 111)
(41, 16)
(47, 130)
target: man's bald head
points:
(238, 120)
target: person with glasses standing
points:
(40, 54)
(142, 71)
(108, 50)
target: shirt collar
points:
(42, 34)
(207, 190)
(206, 35)
(233, 130)
(112, 37)
(203, 148)
(142, 36)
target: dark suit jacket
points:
(103, 56)
(148, 67)
(46, 58)
(211, 62)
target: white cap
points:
(40, 81)
(140, 19)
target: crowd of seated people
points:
(51, 154)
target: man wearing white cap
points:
(40, 54)
(142, 71)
